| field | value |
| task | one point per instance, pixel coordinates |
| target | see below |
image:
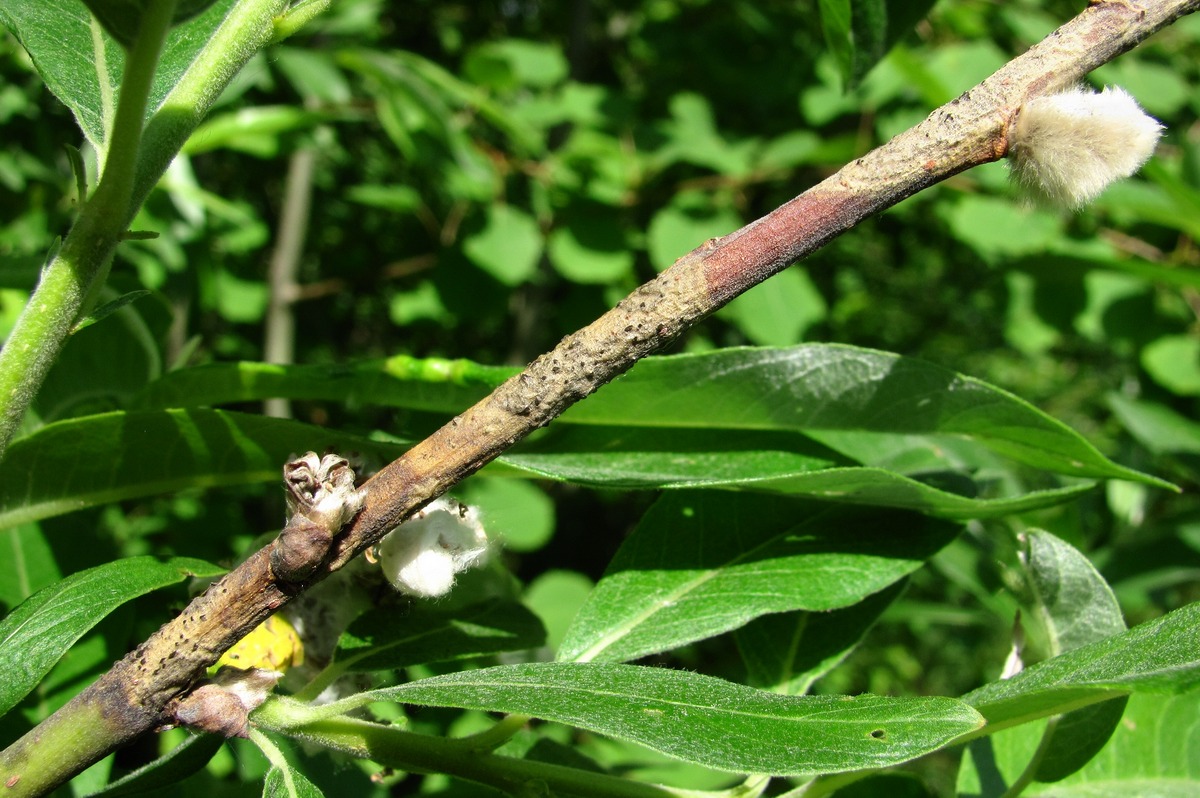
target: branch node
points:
(223, 705)
(321, 499)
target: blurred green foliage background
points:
(486, 178)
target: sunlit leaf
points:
(35, 634)
(704, 720)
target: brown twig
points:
(971, 130)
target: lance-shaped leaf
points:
(701, 719)
(832, 387)
(704, 563)
(780, 462)
(432, 384)
(40, 630)
(895, 407)
(1161, 656)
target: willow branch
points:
(971, 130)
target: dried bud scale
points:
(321, 499)
(222, 705)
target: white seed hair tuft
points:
(1067, 148)
(422, 556)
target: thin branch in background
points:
(279, 339)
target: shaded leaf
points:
(1077, 737)
(764, 462)
(27, 564)
(108, 308)
(822, 388)
(386, 638)
(40, 630)
(1153, 752)
(1070, 605)
(1072, 602)
(169, 769)
(1157, 427)
(700, 564)
(432, 384)
(788, 651)
(508, 246)
(860, 32)
(814, 388)
(122, 18)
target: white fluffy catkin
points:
(422, 556)
(1067, 148)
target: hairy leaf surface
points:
(40, 630)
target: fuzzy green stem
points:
(73, 278)
(132, 170)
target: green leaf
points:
(829, 387)
(168, 770)
(1069, 605)
(556, 597)
(82, 65)
(258, 131)
(1075, 606)
(860, 32)
(1077, 737)
(113, 456)
(508, 246)
(1157, 427)
(1174, 363)
(516, 512)
(511, 64)
(1162, 655)
(431, 384)
(788, 651)
(1072, 603)
(700, 564)
(123, 18)
(779, 312)
(730, 419)
(892, 404)
(591, 248)
(399, 199)
(386, 638)
(1153, 752)
(836, 25)
(785, 463)
(108, 308)
(103, 365)
(701, 719)
(42, 628)
(27, 564)
(289, 783)
(687, 222)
